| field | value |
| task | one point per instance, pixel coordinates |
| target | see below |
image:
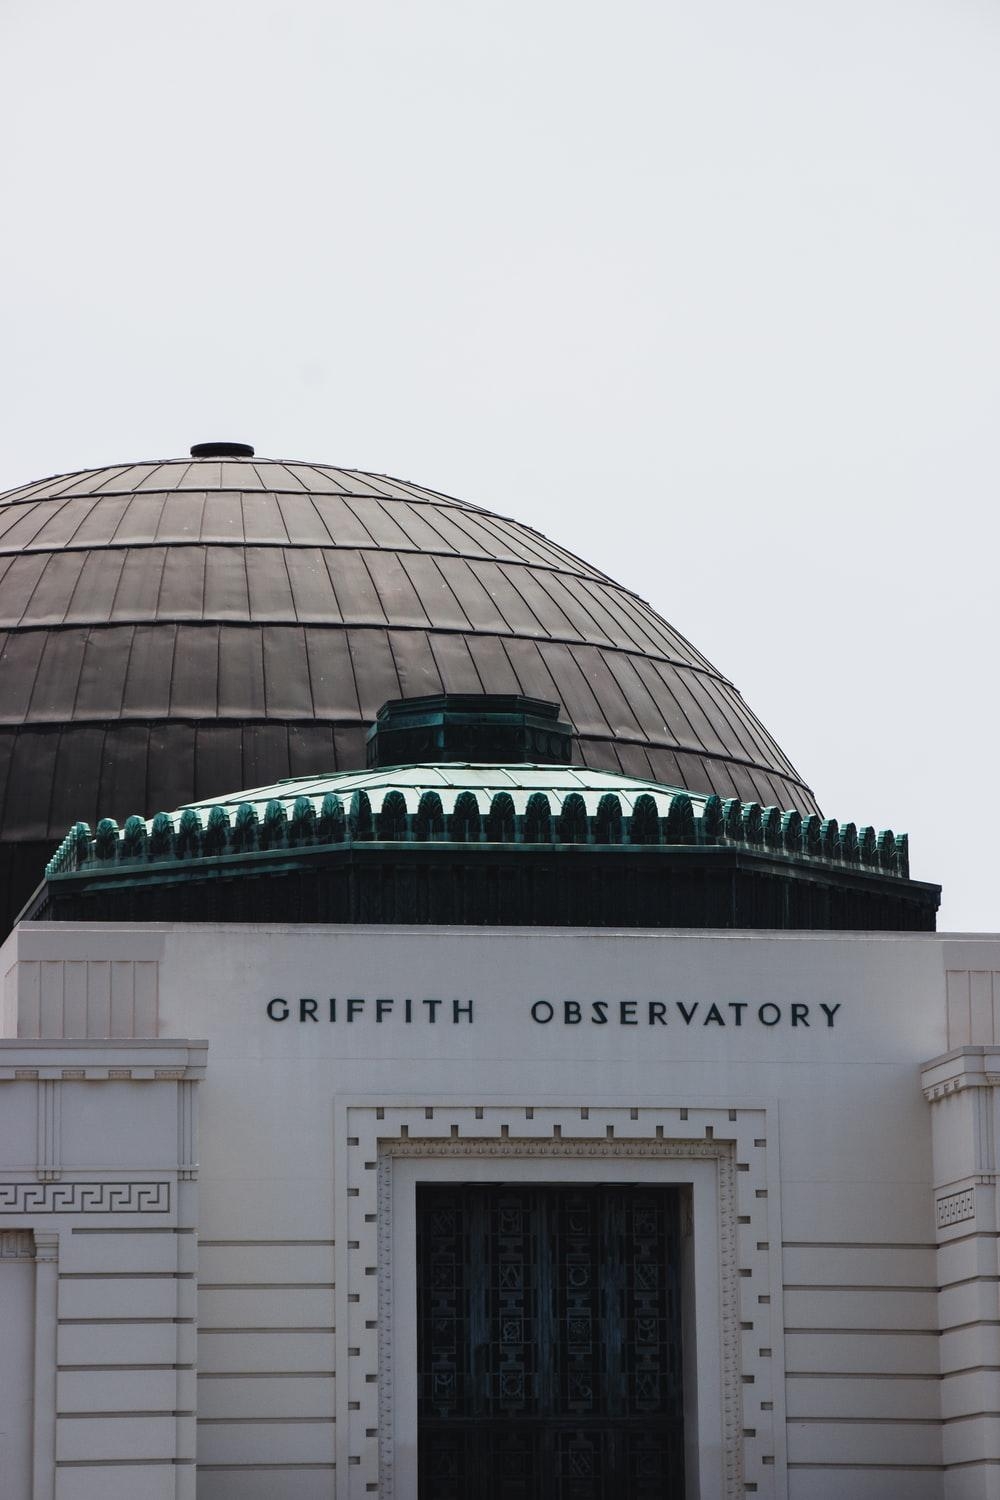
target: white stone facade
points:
(225, 1309)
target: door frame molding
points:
(722, 1155)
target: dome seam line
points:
(258, 720)
(294, 624)
(57, 548)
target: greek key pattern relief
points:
(735, 1140)
(84, 1197)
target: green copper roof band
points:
(190, 836)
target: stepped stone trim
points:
(372, 1136)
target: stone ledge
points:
(154, 1060)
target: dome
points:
(170, 631)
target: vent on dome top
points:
(495, 728)
(221, 450)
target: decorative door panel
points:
(549, 1343)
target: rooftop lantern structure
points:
(469, 727)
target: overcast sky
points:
(709, 292)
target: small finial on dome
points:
(221, 450)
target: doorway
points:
(549, 1342)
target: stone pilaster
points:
(963, 1090)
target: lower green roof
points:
(466, 803)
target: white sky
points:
(709, 292)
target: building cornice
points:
(962, 1068)
(102, 1060)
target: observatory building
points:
(446, 1053)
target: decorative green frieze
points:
(187, 840)
(713, 819)
(608, 822)
(501, 821)
(465, 820)
(392, 820)
(679, 825)
(770, 822)
(538, 820)
(571, 824)
(302, 829)
(753, 825)
(134, 837)
(106, 839)
(732, 816)
(558, 806)
(161, 837)
(245, 832)
(217, 832)
(791, 832)
(273, 829)
(430, 817)
(332, 827)
(644, 824)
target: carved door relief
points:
(549, 1346)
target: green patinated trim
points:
(112, 876)
(521, 806)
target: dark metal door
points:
(549, 1343)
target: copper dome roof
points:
(172, 631)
